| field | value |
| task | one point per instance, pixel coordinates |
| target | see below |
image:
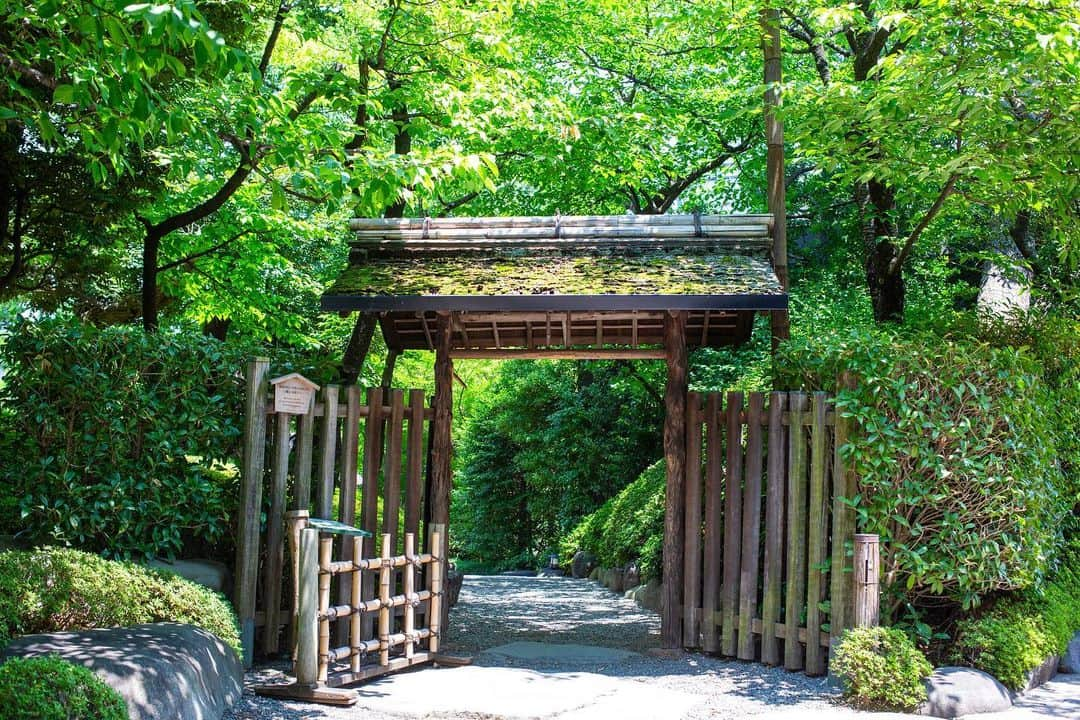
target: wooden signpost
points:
(293, 394)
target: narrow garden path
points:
(564, 649)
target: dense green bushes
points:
(1018, 633)
(956, 455)
(110, 436)
(881, 669)
(54, 689)
(629, 526)
(55, 589)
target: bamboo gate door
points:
(769, 544)
(346, 487)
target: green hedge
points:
(628, 527)
(53, 689)
(54, 589)
(956, 451)
(881, 669)
(1019, 633)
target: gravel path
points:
(495, 611)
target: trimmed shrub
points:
(1017, 634)
(881, 669)
(50, 688)
(55, 589)
(955, 452)
(629, 526)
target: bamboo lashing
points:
(384, 598)
(326, 547)
(408, 582)
(435, 606)
(356, 623)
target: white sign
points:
(293, 394)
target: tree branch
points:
(898, 261)
(202, 253)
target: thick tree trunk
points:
(352, 361)
(151, 250)
(876, 203)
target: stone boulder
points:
(612, 578)
(208, 573)
(594, 574)
(957, 691)
(1070, 661)
(582, 564)
(647, 596)
(164, 671)
(1042, 674)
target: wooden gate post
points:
(251, 479)
(675, 494)
(307, 616)
(867, 571)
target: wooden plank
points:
(559, 354)
(548, 221)
(392, 474)
(714, 518)
(729, 596)
(275, 534)
(305, 439)
(675, 460)
(751, 527)
(250, 512)
(414, 467)
(369, 509)
(692, 521)
(867, 562)
(349, 449)
(796, 529)
(817, 520)
(779, 631)
(324, 494)
(774, 529)
(843, 525)
(441, 459)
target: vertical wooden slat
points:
(774, 529)
(795, 591)
(751, 528)
(326, 550)
(295, 522)
(414, 468)
(843, 525)
(275, 534)
(817, 520)
(714, 518)
(675, 460)
(409, 587)
(349, 448)
(306, 668)
(692, 522)
(251, 480)
(355, 598)
(436, 573)
(305, 431)
(442, 449)
(392, 474)
(384, 598)
(324, 496)
(369, 507)
(729, 596)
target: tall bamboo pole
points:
(774, 172)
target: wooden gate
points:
(358, 457)
(769, 535)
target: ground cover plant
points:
(55, 589)
(881, 669)
(50, 688)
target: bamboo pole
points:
(384, 598)
(356, 621)
(409, 583)
(326, 549)
(438, 566)
(675, 495)
(251, 479)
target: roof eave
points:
(552, 303)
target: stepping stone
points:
(561, 653)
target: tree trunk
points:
(876, 203)
(151, 250)
(352, 362)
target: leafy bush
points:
(629, 526)
(53, 589)
(881, 669)
(1019, 633)
(955, 454)
(110, 436)
(50, 688)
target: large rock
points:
(209, 573)
(165, 671)
(582, 564)
(955, 691)
(612, 578)
(647, 596)
(1042, 674)
(1070, 661)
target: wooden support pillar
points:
(441, 449)
(388, 369)
(307, 615)
(675, 495)
(251, 479)
(774, 165)
(867, 573)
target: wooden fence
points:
(315, 465)
(766, 566)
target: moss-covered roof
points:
(580, 263)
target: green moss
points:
(649, 273)
(49, 688)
